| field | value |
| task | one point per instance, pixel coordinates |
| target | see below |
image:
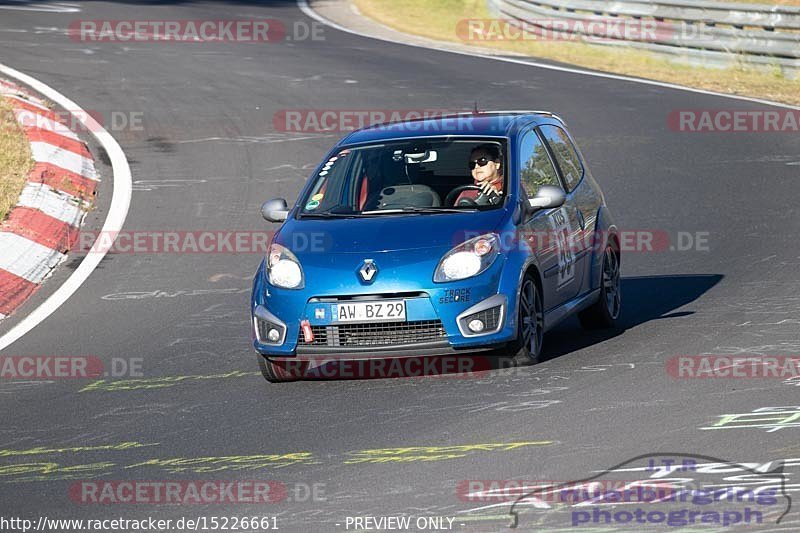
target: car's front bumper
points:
(437, 321)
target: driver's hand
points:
(488, 189)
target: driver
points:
(485, 163)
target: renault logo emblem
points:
(368, 271)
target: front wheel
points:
(604, 312)
(530, 324)
(274, 372)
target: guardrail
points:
(695, 31)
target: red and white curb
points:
(44, 224)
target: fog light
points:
(269, 330)
(476, 326)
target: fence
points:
(694, 31)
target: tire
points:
(530, 324)
(605, 311)
(275, 373)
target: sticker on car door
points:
(562, 235)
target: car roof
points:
(478, 124)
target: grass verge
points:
(15, 159)
(438, 20)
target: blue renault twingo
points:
(438, 236)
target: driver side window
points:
(535, 166)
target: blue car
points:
(439, 236)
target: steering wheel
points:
(452, 195)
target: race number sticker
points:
(562, 232)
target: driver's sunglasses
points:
(481, 162)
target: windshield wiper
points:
(379, 212)
(337, 211)
(414, 209)
(330, 215)
(417, 210)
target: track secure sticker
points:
(454, 295)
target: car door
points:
(581, 197)
(548, 232)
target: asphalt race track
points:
(208, 156)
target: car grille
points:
(376, 334)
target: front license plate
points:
(370, 311)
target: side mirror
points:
(547, 197)
(275, 210)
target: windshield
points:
(427, 175)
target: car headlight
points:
(283, 268)
(468, 259)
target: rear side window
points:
(535, 167)
(565, 154)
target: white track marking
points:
(26, 258)
(117, 212)
(279, 138)
(57, 7)
(305, 8)
(56, 204)
(48, 153)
